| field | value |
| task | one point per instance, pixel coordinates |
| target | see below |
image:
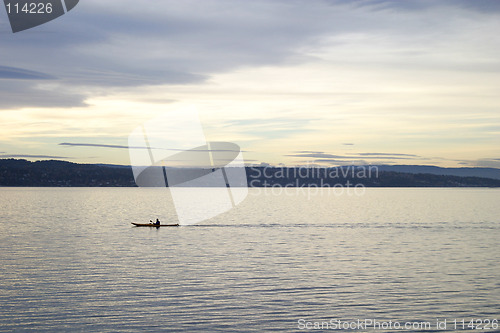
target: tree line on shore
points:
(53, 173)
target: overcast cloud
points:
(130, 43)
(126, 43)
(420, 78)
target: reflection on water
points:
(70, 260)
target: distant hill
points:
(53, 173)
(434, 170)
(14, 172)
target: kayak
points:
(154, 225)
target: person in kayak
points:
(157, 222)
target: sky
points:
(293, 82)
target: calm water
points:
(70, 260)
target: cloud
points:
(307, 152)
(22, 74)
(386, 154)
(482, 6)
(377, 156)
(407, 5)
(315, 155)
(28, 88)
(30, 93)
(389, 73)
(32, 156)
(97, 145)
(340, 162)
(130, 44)
(268, 128)
(100, 45)
(486, 163)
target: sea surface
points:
(70, 261)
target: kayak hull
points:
(154, 225)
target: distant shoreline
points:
(53, 173)
(261, 187)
